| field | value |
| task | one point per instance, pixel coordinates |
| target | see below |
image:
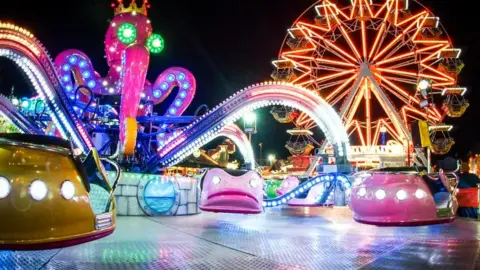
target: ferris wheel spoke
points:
(352, 11)
(326, 86)
(397, 38)
(385, 7)
(376, 135)
(411, 18)
(340, 88)
(364, 33)
(360, 133)
(332, 48)
(409, 54)
(397, 94)
(408, 63)
(394, 86)
(354, 106)
(346, 36)
(435, 54)
(438, 72)
(335, 7)
(333, 76)
(339, 97)
(402, 80)
(369, 8)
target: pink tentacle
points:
(164, 85)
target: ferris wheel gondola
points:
(367, 60)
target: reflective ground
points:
(286, 238)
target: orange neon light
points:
(438, 72)
(399, 37)
(367, 111)
(408, 54)
(364, 33)
(412, 18)
(381, 9)
(314, 26)
(394, 86)
(377, 39)
(434, 54)
(298, 51)
(413, 74)
(329, 43)
(334, 62)
(368, 7)
(340, 88)
(347, 37)
(301, 77)
(359, 130)
(376, 135)
(332, 76)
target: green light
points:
(127, 33)
(155, 43)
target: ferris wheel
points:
(381, 64)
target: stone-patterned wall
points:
(129, 195)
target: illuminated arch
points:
(20, 46)
(260, 95)
(234, 133)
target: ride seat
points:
(442, 199)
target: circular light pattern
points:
(185, 85)
(72, 59)
(254, 183)
(157, 93)
(68, 190)
(164, 86)
(380, 194)
(401, 195)
(183, 94)
(86, 74)
(178, 103)
(173, 111)
(91, 84)
(216, 180)
(155, 43)
(127, 33)
(66, 67)
(83, 63)
(15, 101)
(5, 187)
(419, 194)
(66, 78)
(181, 76)
(38, 190)
(362, 192)
(171, 77)
(111, 90)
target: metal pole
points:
(429, 160)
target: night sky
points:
(227, 44)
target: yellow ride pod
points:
(48, 197)
(131, 129)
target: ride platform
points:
(280, 238)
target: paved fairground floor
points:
(282, 238)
